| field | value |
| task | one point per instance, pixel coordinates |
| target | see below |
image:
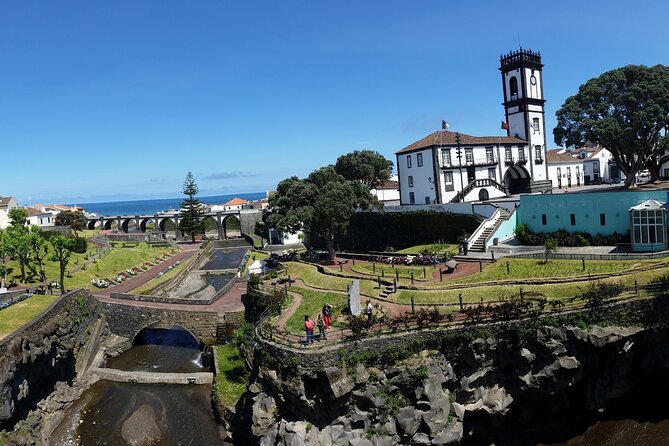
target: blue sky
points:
(103, 101)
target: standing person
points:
(369, 311)
(327, 315)
(321, 327)
(309, 328)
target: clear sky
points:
(113, 100)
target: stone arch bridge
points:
(138, 223)
(206, 326)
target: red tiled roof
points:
(447, 138)
(4, 201)
(555, 156)
(236, 201)
(388, 185)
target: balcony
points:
(538, 160)
(522, 161)
(508, 161)
(476, 161)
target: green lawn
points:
(14, 317)
(230, 383)
(438, 248)
(389, 272)
(532, 268)
(312, 304)
(117, 260)
(311, 277)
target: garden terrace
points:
(516, 286)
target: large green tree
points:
(5, 253)
(62, 249)
(39, 248)
(366, 166)
(18, 239)
(74, 219)
(192, 210)
(322, 204)
(625, 110)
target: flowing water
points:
(120, 414)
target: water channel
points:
(111, 413)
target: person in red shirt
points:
(309, 328)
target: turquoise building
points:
(643, 214)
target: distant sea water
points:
(147, 207)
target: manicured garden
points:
(312, 304)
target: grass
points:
(311, 277)
(532, 268)
(230, 382)
(437, 248)
(117, 260)
(149, 286)
(14, 317)
(389, 272)
(312, 304)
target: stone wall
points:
(128, 320)
(42, 353)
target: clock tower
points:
(524, 101)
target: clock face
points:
(533, 80)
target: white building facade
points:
(447, 166)
(6, 205)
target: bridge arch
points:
(174, 335)
(143, 223)
(231, 225)
(128, 225)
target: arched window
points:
(513, 86)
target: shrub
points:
(597, 293)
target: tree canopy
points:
(322, 204)
(192, 210)
(625, 110)
(74, 219)
(366, 166)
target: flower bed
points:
(99, 283)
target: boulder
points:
(408, 419)
(338, 382)
(451, 434)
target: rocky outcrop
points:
(503, 391)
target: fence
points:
(517, 307)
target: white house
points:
(387, 191)
(6, 205)
(447, 166)
(564, 169)
(39, 218)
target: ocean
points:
(146, 207)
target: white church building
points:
(448, 167)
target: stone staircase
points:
(387, 291)
(479, 244)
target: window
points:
(492, 173)
(427, 200)
(410, 180)
(602, 219)
(469, 155)
(543, 219)
(578, 172)
(513, 87)
(535, 125)
(446, 157)
(412, 198)
(595, 167)
(572, 219)
(568, 172)
(489, 155)
(521, 153)
(507, 154)
(448, 181)
(648, 226)
(419, 160)
(409, 161)
(537, 152)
